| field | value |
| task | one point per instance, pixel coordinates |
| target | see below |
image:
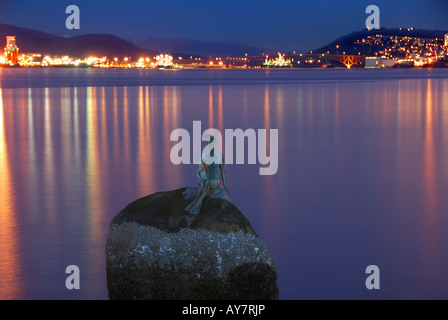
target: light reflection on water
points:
(10, 269)
(361, 180)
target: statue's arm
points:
(200, 173)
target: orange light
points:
(211, 62)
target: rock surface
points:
(156, 250)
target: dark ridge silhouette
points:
(100, 45)
(198, 47)
(347, 43)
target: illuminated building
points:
(11, 51)
(446, 40)
(164, 60)
(278, 62)
(372, 62)
(379, 62)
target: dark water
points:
(362, 173)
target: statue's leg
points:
(193, 203)
(190, 205)
(201, 180)
(198, 201)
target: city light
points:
(164, 60)
(390, 51)
(11, 51)
(277, 62)
(140, 63)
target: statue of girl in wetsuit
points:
(210, 173)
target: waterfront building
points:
(11, 51)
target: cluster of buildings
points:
(384, 52)
(279, 61)
(406, 51)
(12, 57)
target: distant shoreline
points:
(205, 68)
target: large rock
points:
(156, 250)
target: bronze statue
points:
(210, 173)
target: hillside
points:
(33, 41)
(352, 43)
(197, 47)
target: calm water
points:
(362, 178)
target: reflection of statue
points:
(209, 178)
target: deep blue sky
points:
(286, 25)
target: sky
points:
(284, 25)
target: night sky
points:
(285, 25)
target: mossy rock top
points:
(165, 211)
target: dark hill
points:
(347, 43)
(33, 41)
(198, 47)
